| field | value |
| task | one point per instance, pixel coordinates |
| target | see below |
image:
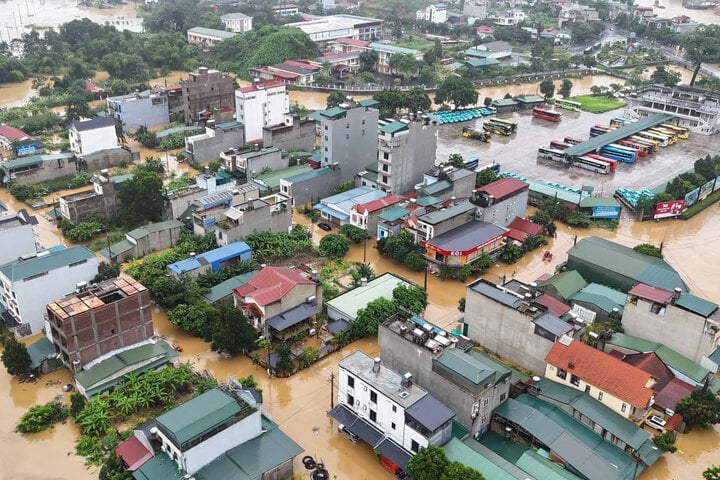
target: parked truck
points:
(476, 134)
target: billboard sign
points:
(692, 197)
(717, 184)
(669, 209)
(706, 189)
(606, 211)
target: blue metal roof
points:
(234, 250)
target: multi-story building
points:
(206, 91)
(33, 280)
(508, 18)
(464, 244)
(99, 320)
(285, 10)
(624, 388)
(217, 138)
(447, 366)
(271, 213)
(365, 216)
(692, 107)
(388, 410)
(253, 161)
(18, 236)
(102, 200)
(237, 22)
(386, 52)
(324, 29)
(205, 38)
(349, 137)
(511, 320)
(501, 201)
(405, 151)
(89, 136)
(261, 105)
(339, 208)
(435, 13)
(137, 109)
(475, 9)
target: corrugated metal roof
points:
(151, 228)
(470, 368)
(497, 294)
(212, 32)
(468, 236)
(589, 202)
(540, 467)
(430, 412)
(566, 283)
(353, 300)
(553, 324)
(439, 216)
(224, 289)
(292, 317)
(39, 351)
(613, 136)
(697, 305)
(22, 269)
(393, 127)
(436, 188)
(394, 213)
(335, 112)
(272, 179)
(160, 467)
(457, 451)
(301, 177)
(384, 47)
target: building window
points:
(561, 373)
(350, 400)
(392, 425)
(351, 382)
(587, 389)
(600, 395)
(347, 136)
(373, 415)
(385, 167)
(394, 408)
(373, 396)
(623, 407)
(502, 397)
(575, 380)
(414, 446)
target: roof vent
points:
(376, 365)
(571, 364)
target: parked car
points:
(656, 423)
(325, 226)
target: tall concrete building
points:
(261, 105)
(349, 136)
(405, 150)
(17, 236)
(206, 91)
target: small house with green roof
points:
(138, 242)
(601, 208)
(563, 285)
(605, 303)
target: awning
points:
(292, 317)
(356, 425)
(394, 453)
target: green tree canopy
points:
(404, 65)
(702, 45)
(141, 198)
(547, 88)
(648, 249)
(700, 409)
(565, 88)
(712, 473)
(231, 332)
(368, 59)
(367, 320)
(334, 246)
(457, 90)
(334, 99)
(429, 463)
(411, 297)
(15, 356)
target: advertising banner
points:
(692, 197)
(705, 190)
(669, 209)
(605, 211)
(717, 184)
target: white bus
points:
(592, 164)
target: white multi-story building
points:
(694, 108)
(17, 236)
(332, 27)
(508, 18)
(435, 13)
(29, 283)
(387, 410)
(237, 22)
(90, 136)
(259, 106)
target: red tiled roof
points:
(526, 226)
(133, 453)
(653, 294)
(652, 364)
(271, 284)
(504, 187)
(673, 392)
(515, 234)
(603, 371)
(352, 41)
(485, 29)
(376, 205)
(554, 306)
(12, 133)
(300, 63)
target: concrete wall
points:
(504, 212)
(256, 161)
(208, 147)
(351, 142)
(206, 89)
(505, 331)
(293, 298)
(676, 328)
(16, 242)
(258, 220)
(155, 242)
(148, 111)
(311, 189)
(300, 135)
(411, 153)
(90, 141)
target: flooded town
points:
(569, 358)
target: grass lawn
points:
(598, 104)
(416, 42)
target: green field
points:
(598, 104)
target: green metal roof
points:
(151, 228)
(601, 296)
(393, 127)
(715, 356)
(698, 305)
(197, 416)
(22, 269)
(271, 180)
(111, 371)
(119, 248)
(541, 467)
(118, 179)
(436, 188)
(223, 289)
(613, 136)
(22, 162)
(335, 112)
(301, 177)
(474, 52)
(250, 460)
(457, 451)
(566, 283)
(384, 47)
(160, 467)
(515, 375)
(438, 216)
(369, 102)
(530, 98)
(589, 202)
(469, 368)
(212, 32)
(353, 300)
(39, 351)
(393, 213)
(481, 62)
(504, 102)
(629, 342)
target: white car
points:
(656, 423)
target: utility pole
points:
(332, 389)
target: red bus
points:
(558, 145)
(545, 114)
(604, 127)
(613, 163)
(572, 141)
(643, 150)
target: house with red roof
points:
(520, 228)
(19, 142)
(279, 301)
(484, 31)
(501, 201)
(344, 45)
(365, 215)
(622, 387)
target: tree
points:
(334, 246)
(284, 358)
(397, 247)
(669, 78)
(648, 249)
(114, 469)
(700, 409)
(459, 471)
(487, 101)
(391, 100)
(335, 99)
(405, 65)
(416, 100)
(461, 304)
(485, 177)
(368, 59)
(367, 320)
(565, 88)
(456, 160)
(194, 318)
(364, 270)
(141, 198)
(15, 356)
(146, 137)
(308, 356)
(547, 88)
(415, 261)
(410, 297)
(457, 90)
(353, 233)
(666, 441)
(428, 463)
(702, 45)
(712, 473)
(231, 332)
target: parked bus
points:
(500, 126)
(619, 154)
(661, 139)
(653, 144)
(495, 167)
(552, 154)
(672, 136)
(592, 164)
(626, 148)
(642, 149)
(568, 105)
(682, 131)
(572, 141)
(558, 145)
(621, 121)
(545, 114)
(613, 163)
(598, 130)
